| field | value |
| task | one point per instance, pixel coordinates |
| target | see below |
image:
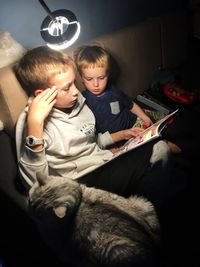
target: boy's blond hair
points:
(88, 56)
(40, 64)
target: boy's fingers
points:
(48, 91)
(48, 94)
(134, 129)
(52, 103)
(51, 96)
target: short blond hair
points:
(91, 56)
(38, 65)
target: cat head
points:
(60, 194)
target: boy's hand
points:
(129, 133)
(42, 104)
(146, 122)
(126, 134)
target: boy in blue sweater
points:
(114, 111)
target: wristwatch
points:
(32, 141)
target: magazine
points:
(152, 132)
(149, 134)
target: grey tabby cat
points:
(93, 226)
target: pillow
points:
(10, 49)
(13, 99)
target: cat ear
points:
(60, 211)
(42, 178)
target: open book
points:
(152, 132)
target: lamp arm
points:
(46, 9)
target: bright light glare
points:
(58, 27)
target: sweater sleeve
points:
(30, 163)
(104, 140)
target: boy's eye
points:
(99, 78)
(67, 87)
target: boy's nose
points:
(75, 91)
(96, 82)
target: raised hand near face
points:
(41, 105)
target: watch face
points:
(30, 140)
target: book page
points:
(147, 135)
(140, 139)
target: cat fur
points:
(102, 228)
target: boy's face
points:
(95, 79)
(67, 92)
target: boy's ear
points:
(37, 92)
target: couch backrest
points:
(136, 49)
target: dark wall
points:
(22, 18)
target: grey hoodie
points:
(70, 145)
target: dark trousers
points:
(135, 173)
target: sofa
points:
(139, 50)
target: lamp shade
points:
(61, 29)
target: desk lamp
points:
(60, 28)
